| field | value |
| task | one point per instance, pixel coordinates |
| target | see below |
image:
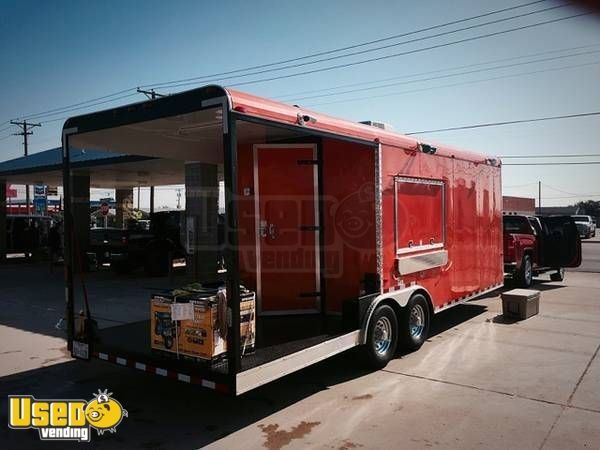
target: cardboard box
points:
(201, 338)
(520, 303)
(164, 332)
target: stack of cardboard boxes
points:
(201, 332)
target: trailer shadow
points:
(168, 414)
(164, 413)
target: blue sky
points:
(58, 53)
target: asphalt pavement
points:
(479, 381)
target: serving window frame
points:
(418, 247)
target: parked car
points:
(534, 245)
(27, 234)
(585, 225)
(140, 246)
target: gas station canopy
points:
(106, 169)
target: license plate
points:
(81, 350)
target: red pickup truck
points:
(533, 245)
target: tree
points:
(589, 208)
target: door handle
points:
(267, 230)
(272, 231)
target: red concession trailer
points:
(354, 234)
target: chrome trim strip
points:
(420, 262)
(379, 216)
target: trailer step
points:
(262, 374)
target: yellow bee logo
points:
(104, 413)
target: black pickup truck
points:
(129, 249)
(154, 249)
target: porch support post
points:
(68, 240)
(80, 210)
(231, 244)
(123, 206)
(201, 209)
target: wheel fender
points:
(400, 297)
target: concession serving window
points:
(419, 214)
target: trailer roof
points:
(249, 105)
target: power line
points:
(572, 196)
(395, 55)
(360, 52)
(83, 107)
(361, 98)
(509, 122)
(519, 185)
(581, 155)
(59, 109)
(561, 191)
(461, 83)
(439, 77)
(350, 47)
(553, 163)
(84, 104)
(54, 110)
(512, 58)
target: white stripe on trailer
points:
(257, 376)
(121, 361)
(161, 372)
(103, 356)
(140, 366)
(208, 384)
(183, 377)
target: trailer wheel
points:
(414, 323)
(525, 274)
(382, 337)
(559, 275)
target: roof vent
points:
(372, 123)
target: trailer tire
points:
(382, 337)
(414, 323)
(525, 274)
(559, 275)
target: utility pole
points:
(25, 132)
(539, 198)
(151, 94)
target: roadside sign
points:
(104, 208)
(40, 200)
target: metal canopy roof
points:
(52, 160)
(106, 169)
